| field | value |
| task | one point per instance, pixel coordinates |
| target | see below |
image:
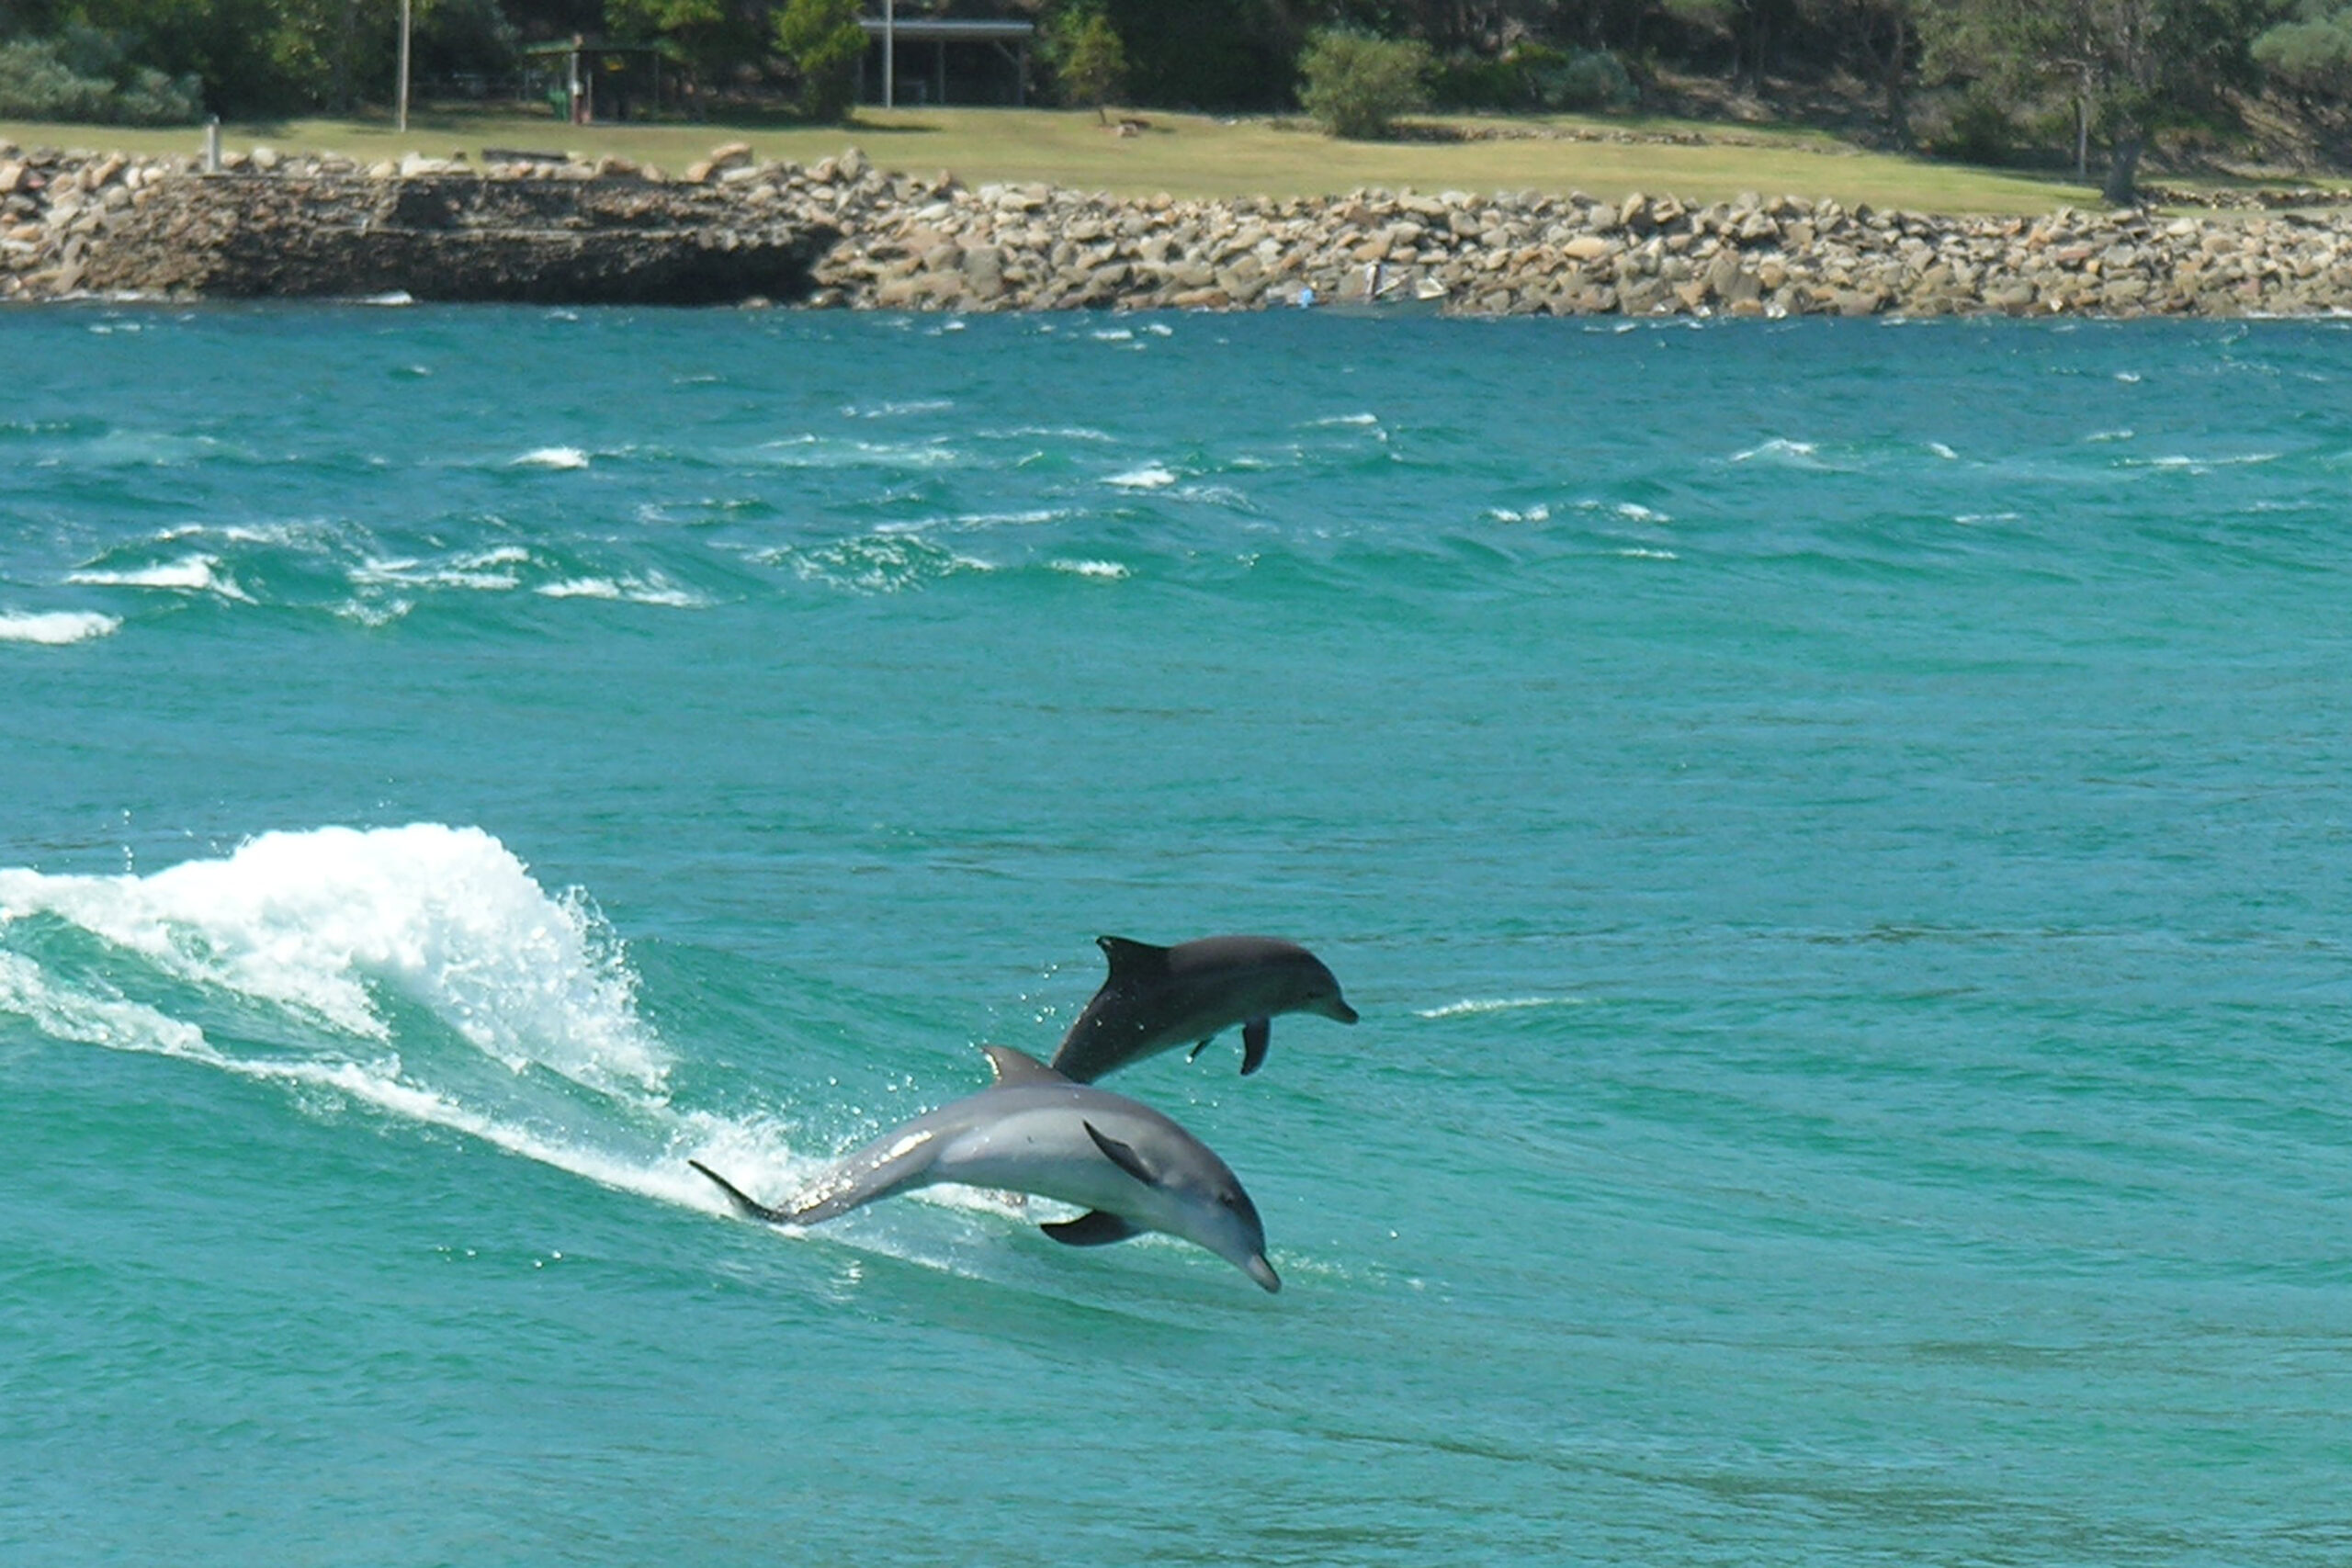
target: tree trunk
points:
(2123, 167)
(1899, 111)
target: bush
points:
(823, 42)
(1536, 77)
(1356, 86)
(81, 76)
(1089, 61)
(1585, 81)
(1980, 129)
(2313, 55)
(1475, 82)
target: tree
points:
(1357, 85)
(1086, 56)
(2311, 53)
(823, 42)
(2130, 66)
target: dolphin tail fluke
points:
(746, 1206)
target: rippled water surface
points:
(1839, 831)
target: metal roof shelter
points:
(992, 57)
(584, 77)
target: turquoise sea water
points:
(1839, 834)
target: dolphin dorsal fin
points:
(1012, 1066)
(1132, 960)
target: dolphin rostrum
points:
(1034, 1130)
(1159, 997)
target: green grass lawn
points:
(1185, 155)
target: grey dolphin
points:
(1159, 997)
(1034, 1130)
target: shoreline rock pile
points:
(840, 233)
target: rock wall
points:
(842, 233)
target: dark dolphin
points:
(1156, 998)
(1128, 1167)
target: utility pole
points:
(890, 52)
(406, 6)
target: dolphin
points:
(1161, 997)
(1034, 1130)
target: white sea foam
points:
(57, 628)
(1779, 450)
(1476, 1008)
(1107, 569)
(1151, 476)
(193, 574)
(650, 590)
(322, 924)
(551, 457)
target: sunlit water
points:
(1839, 834)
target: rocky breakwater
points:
(840, 233)
(1030, 247)
(526, 228)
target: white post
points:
(890, 52)
(405, 7)
(213, 145)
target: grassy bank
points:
(1190, 155)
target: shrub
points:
(2311, 55)
(1980, 129)
(823, 42)
(1089, 61)
(1585, 81)
(1356, 85)
(1475, 82)
(81, 76)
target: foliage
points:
(2311, 53)
(713, 37)
(1357, 85)
(2129, 65)
(1086, 56)
(1532, 76)
(1978, 129)
(83, 75)
(823, 42)
(1209, 53)
(1583, 80)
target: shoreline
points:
(842, 233)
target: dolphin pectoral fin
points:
(1096, 1227)
(1121, 1154)
(1255, 1034)
(749, 1207)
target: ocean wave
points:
(323, 925)
(551, 457)
(55, 628)
(191, 574)
(1779, 450)
(874, 563)
(649, 589)
(1476, 1008)
(1107, 570)
(1151, 476)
